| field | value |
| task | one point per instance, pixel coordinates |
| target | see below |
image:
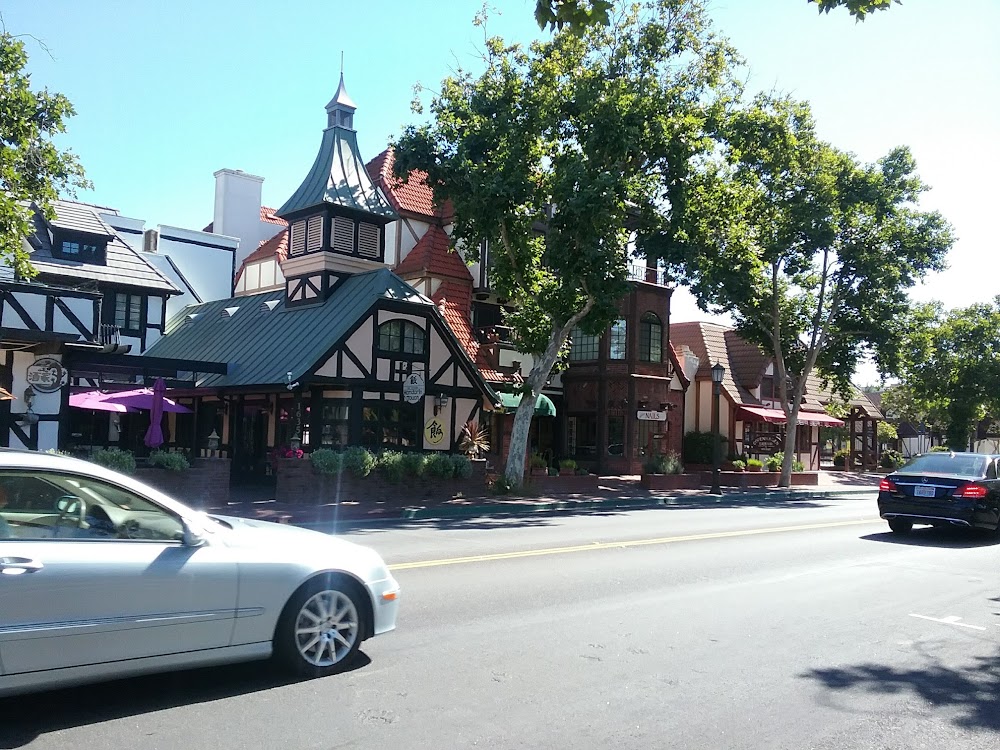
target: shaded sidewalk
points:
(612, 493)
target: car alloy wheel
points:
(326, 628)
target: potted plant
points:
(774, 462)
(755, 464)
(539, 466)
(567, 467)
(473, 441)
(739, 465)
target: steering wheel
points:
(131, 529)
(67, 504)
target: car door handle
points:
(18, 565)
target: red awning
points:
(777, 416)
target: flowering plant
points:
(294, 454)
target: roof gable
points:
(433, 256)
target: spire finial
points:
(341, 63)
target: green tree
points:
(552, 152)
(579, 14)
(33, 172)
(809, 251)
(950, 368)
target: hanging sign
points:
(413, 388)
(766, 442)
(46, 375)
(434, 431)
(646, 415)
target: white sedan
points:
(103, 577)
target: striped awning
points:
(777, 416)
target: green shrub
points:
(501, 486)
(390, 466)
(773, 463)
(461, 466)
(739, 465)
(840, 457)
(891, 459)
(439, 466)
(664, 464)
(537, 461)
(755, 463)
(169, 461)
(568, 464)
(414, 464)
(115, 459)
(699, 447)
(798, 465)
(326, 461)
(359, 461)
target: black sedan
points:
(943, 489)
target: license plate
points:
(923, 491)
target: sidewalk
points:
(613, 493)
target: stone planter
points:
(537, 472)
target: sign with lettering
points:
(46, 375)
(434, 431)
(767, 442)
(646, 415)
(413, 388)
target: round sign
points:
(413, 388)
(45, 375)
(434, 431)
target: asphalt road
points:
(774, 626)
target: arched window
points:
(650, 338)
(401, 336)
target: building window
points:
(401, 336)
(391, 425)
(584, 436)
(85, 252)
(335, 424)
(650, 338)
(618, 331)
(584, 346)
(616, 436)
(128, 312)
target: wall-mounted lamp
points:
(440, 402)
(213, 441)
(643, 403)
(295, 443)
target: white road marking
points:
(950, 620)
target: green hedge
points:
(699, 447)
(114, 459)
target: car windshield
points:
(959, 464)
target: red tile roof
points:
(267, 215)
(433, 256)
(414, 196)
(276, 247)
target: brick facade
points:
(204, 485)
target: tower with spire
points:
(337, 216)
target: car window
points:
(991, 470)
(41, 505)
(959, 464)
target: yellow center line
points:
(622, 545)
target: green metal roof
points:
(262, 340)
(338, 177)
(543, 404)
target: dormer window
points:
(82, 249)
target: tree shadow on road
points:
(28, 717)
(973, 691)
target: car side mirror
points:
(68, 504)
(193, 536)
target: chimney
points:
(150, 240)
(237, 209)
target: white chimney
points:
(237, 209)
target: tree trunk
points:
(791, 429)
(533, 384)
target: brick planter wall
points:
(560, 485)
(691, 481)
(296, 482)
(674, 481)
(205, 484)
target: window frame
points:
(382, 432)
(408, 331)
(125, 325)
(583, 346)
(647, 322)
(618, 337)
(88, 249)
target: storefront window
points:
(335, 424)
(585, 347)
(391, 425)
(585, 436)
(616, 436)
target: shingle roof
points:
(267, 215)
(124, 266)
(432, 255)
(338, 177)
(708, 342)
(414, 196)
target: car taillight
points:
(887, 485)
(971, 490)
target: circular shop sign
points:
(46, 375)
(413, 388)
(434, 431)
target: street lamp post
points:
(718, 372)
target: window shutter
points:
(314, 233)
(342, 235)
(298, 238)
(368, 240)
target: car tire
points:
(321, 627)
(899, 526)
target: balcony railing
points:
(657, 276)
(109, 335)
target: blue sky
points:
(167, 93)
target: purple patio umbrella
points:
(154, 435)
(95, 400)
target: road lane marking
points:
(621, 545)
(950, 620)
